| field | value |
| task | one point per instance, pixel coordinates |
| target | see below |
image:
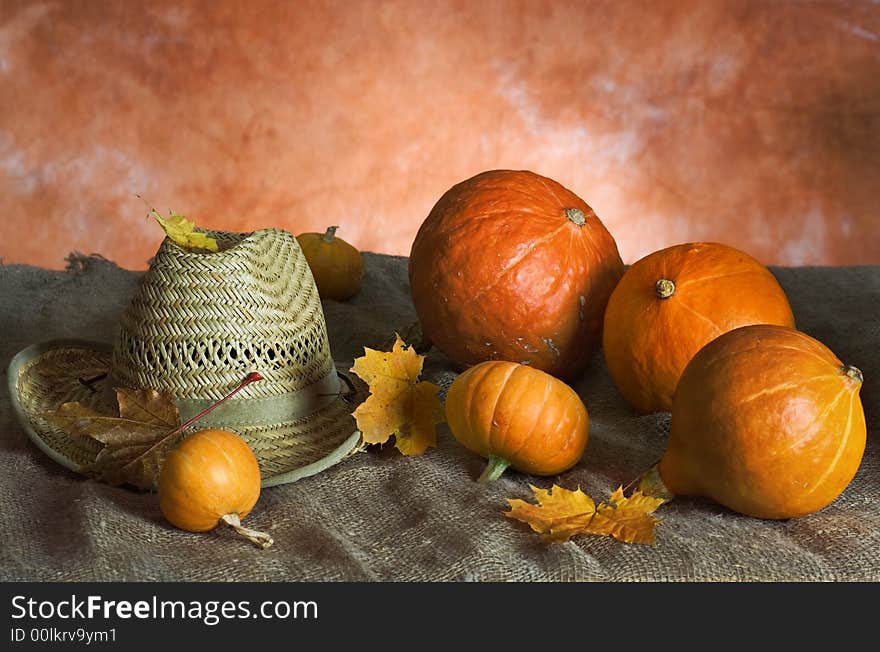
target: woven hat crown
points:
(200, 322)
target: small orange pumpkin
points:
(511, 265)
(767, 422)
(211, 477)
(671, 303)
(337, 266)
(517, 416)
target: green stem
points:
(329, 234)
(494, 468)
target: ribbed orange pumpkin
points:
(510, 265)
(671, 303)
(211, 477)
(517, 416)
(767, 422)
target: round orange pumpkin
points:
(211, 477)
(517, 416)
(337, 266)
(671, 303)
(510, 265)
(767, 422)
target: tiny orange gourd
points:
(517, 416)
(211, 477)
(671, 303)
(766, 421)
(337, 266)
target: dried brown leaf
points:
(135, 442)
(147, 406)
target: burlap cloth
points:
(382, 516)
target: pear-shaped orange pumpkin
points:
(671, 303)
(767, 422)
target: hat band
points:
(266, 410)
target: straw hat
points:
(196, 326)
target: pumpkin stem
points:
(854, 372)
(665, 288)
(576, 215)
(651, 484)
(329, 234)
(260, 539)
(494, 468)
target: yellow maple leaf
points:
(629, 520)
(561, 513)
(399, 404)
(183, 232)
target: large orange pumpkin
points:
(515, 415)
(510, 265)
(671, 303)
(767, 422)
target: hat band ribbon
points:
(266, 410)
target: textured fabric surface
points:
(379, 516)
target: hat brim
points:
(48, 374)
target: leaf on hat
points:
(561, 513)
(398, 403)
(135, 442)
(138, 440)
(183, 232)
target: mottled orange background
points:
(752, 123)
